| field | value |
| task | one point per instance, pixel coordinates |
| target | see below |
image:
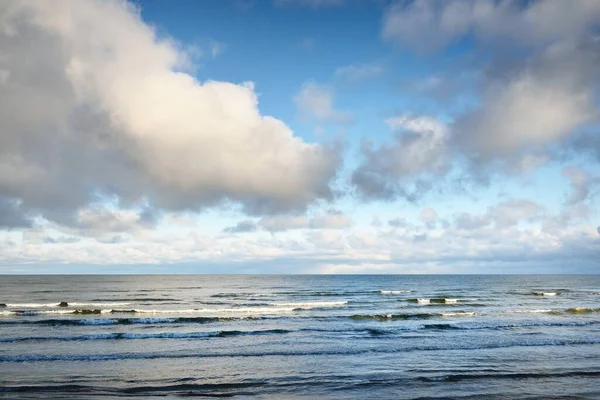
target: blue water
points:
(327, 337)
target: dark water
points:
(330, 337)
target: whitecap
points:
(394, 291)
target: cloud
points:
(419, 148)
(306, 44)
(533, 88)
(241, 227)
(528, 107)
(429, 25)
(216, 48)
(90, 110)
(580, 184)
(308, 3)
(315, 102)
(506, 214)
(428, 216)
(330, 219)
(359, 72)
(11, 215)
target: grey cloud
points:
(11, 215)
(61, 239)
(529, 106)
(241, 227)
(536, 89)
(419, 149)
(398, 223)
(502, 216)
(429, 25)
(580, 184)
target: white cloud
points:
(315, 101)
(94, 108)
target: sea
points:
(300, 337)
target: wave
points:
(546, 294)
(417, 316)
(141, 336)
(500, 326)
(273, 308)
(64, 304)
(245, 295)
(293, 353)
(311, 305)
(517, 375)
(31, 305)
(393, 291)
(124, 321)
(539, 311)
(459, 314)
(440, 300)
(582, 310)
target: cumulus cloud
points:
(315, 102)
(536, 87)
(528, 107)
(420, 147)
(90, 109)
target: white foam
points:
(96, 305)
(212, 311)
(545, 293)
(7, 313)
(527, 311)
(459, 314)
(394, 291)
(309, 305)
(31, 305)
(423, 301)
(50, 312)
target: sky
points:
(299, 136)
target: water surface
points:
(330, 337)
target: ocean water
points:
(315, 337)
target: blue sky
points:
(300, 136)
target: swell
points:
(511, 376)
(141, 336)
(270, 308)
(338, 352)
